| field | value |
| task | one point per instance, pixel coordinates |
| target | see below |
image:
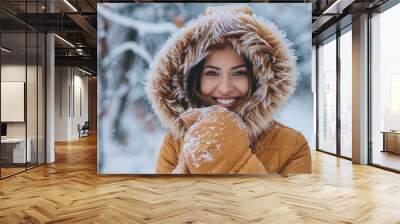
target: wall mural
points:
(204, 88)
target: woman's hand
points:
(216, 140)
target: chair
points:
(84, 130)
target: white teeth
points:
(226, 101)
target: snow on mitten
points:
(189, 117)
(216, 141)
(181, 167)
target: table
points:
(391, 141)
(13, 150)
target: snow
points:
(142, 26)
(205, 156)
(131, 45)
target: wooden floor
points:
(10, 171)
(70, 191)
(388, 159)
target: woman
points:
(216, 86)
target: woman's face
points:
(224, 80)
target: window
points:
(385, 89)
(346, 93)
(327, 96)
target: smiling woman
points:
(216, 86)
(224, 78)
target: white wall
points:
(33, 126)
(70, 84)
(79, 115)
(12, 100)
(16, 73)
(61, 103)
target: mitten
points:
(216, 141)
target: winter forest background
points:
(130, 34)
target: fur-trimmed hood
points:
(260, 42)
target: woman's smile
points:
(226, 102)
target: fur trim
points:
(261, 42)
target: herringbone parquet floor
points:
(70, 191)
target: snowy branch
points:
(141, 26)
(131, 45)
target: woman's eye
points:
(240, 73)
(211, 73)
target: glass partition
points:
(13, 105)
(22, 88)
(327, 96)
(41, 91)
(346, 93)
(32, 95)
(385, 89)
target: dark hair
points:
(193, 81)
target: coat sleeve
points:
(249, 164)
(246, 164)
(168, 156)
(300, 161)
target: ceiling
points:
(332, 15)
(76, 22)
(76, 25)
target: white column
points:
(314, 94)
(50, 100)
(360, 90)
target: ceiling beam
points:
(82, 61)
(337, 6)
(86, 26)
